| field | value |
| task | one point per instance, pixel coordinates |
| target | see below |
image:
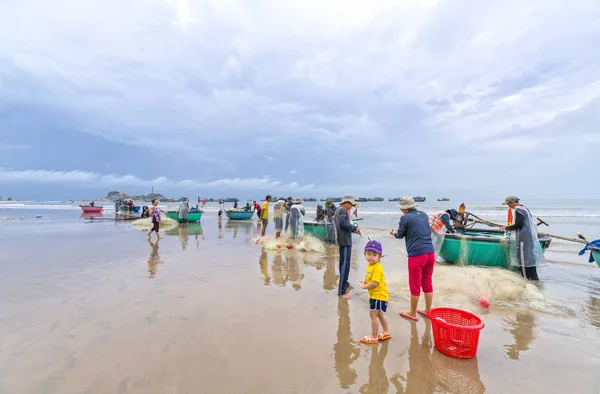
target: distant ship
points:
(419, 199)
(394, 199)
(443, 199)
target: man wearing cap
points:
(344, 230)
(414, 227)
(526, 251)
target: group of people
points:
(293, 211)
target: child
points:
(378, 294)
(155, 213)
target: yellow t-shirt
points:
(375, 274)
(265, 211)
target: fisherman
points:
(288, 207)
(258, 209)
(330, 209)
(247, 207)
(264, 214)
(235, 204)
(439, 223)
(145, 212)
(344, 229)
(526, 251)
(184, 209)
(414, 227)
(278, 210)
(296, 215)
(91, 204)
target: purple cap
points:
(374, 246)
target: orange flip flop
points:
(368, 341)
(409, 317)
(383, 336)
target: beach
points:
(89, 305)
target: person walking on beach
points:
(330, 209)
(264, 215)
(344, 230)
(278, 210)
(297, 213)
(526, 252)
(184, 209)
(414, 227)
(221, 208)
(378, 294)
(155, 214)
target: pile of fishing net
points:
(145, 224)
(306, 243)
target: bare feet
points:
(346, 297)
(350, 287)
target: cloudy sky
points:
(467, 99)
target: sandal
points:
(409, 317)
(383, 336)
(369, 341)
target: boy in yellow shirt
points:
(378, 294)
(264, 215)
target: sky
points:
(464, 99)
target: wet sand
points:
(96, 308)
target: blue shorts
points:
(378, 305)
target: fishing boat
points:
(238, 215)
(316, 229)
(193, 216)
(420, 199)
(443, 199)
(596, 253)
(489, 248)
(89, 208)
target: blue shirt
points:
(415, 227)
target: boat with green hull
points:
(489, 248)
(193, 216)
(316, 229)
(239, 215)
(596, 253)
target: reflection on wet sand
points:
(294, 267)
(522, 331)
(330, 278)
(345, 350)
(184, 231)
(431, 371)
(236, 225)
(220, 221)
(378, 381)
(154, 259)
(263, 263)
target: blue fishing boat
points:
(239, 215)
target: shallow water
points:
(92, 306)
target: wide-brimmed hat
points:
(374, 246)
(299, 201)
(280, 200)
(407, 202)
(349, 199)
(328, 203)
(510, 199)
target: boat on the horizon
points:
(443, 199)
(233, 214)
(193, 216)
(488, 248)
(89, 208)
(420, 199)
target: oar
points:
(577, 240)
(492, 224)
(582, 237)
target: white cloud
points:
(9, 147)
(293, 172)
(94, 180)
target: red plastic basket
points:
(455, 332)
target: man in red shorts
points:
(414, 228)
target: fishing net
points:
(306, 243)
(166, 223)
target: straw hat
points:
(407, 202)
(299, 201)
(349, 199)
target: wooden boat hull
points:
(316, 229)
(239, 215)
(194, 216)
(87, 208)
(488, 248)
